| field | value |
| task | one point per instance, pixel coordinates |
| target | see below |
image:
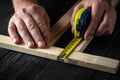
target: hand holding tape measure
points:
(82, 20)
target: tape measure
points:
(82, 20)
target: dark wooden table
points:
(19, 66)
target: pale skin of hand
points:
(26, 25)
(30, 24)
(103, 17)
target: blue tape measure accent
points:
(85, 21)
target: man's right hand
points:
(30, 23)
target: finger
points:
(112, 18)
(107, 25)
(47, 20)
(74, 14)
(45, 30)
(23, 32)
(104, 26)
(13, 33)
(96, 16)
(34, 30)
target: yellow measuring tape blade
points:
(71, 46)
(76, 40)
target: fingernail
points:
(14, 40)
(39, 44)
(89, 37)
(30, 44)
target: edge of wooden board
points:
(76, 58)
(61, 26)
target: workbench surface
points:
(19, 66)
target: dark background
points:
(19, 66)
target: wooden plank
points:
(77, 58)
(81, 73)
(61, 26)
(82, 45)
(94, 62)
(82, 59)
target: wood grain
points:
(61, 26)
(77, 58)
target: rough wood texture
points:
(77, 58)
(61, 26)
(18, 66)
(82, 46)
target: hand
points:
(103, 17)
(30, 23)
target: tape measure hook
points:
(60, 58)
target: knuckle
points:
(21, 12)
(21, 28)
(76, 8)
(32, 8)
(40, 23)
(106, 25)
(31, 26)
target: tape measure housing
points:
(80, 26)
